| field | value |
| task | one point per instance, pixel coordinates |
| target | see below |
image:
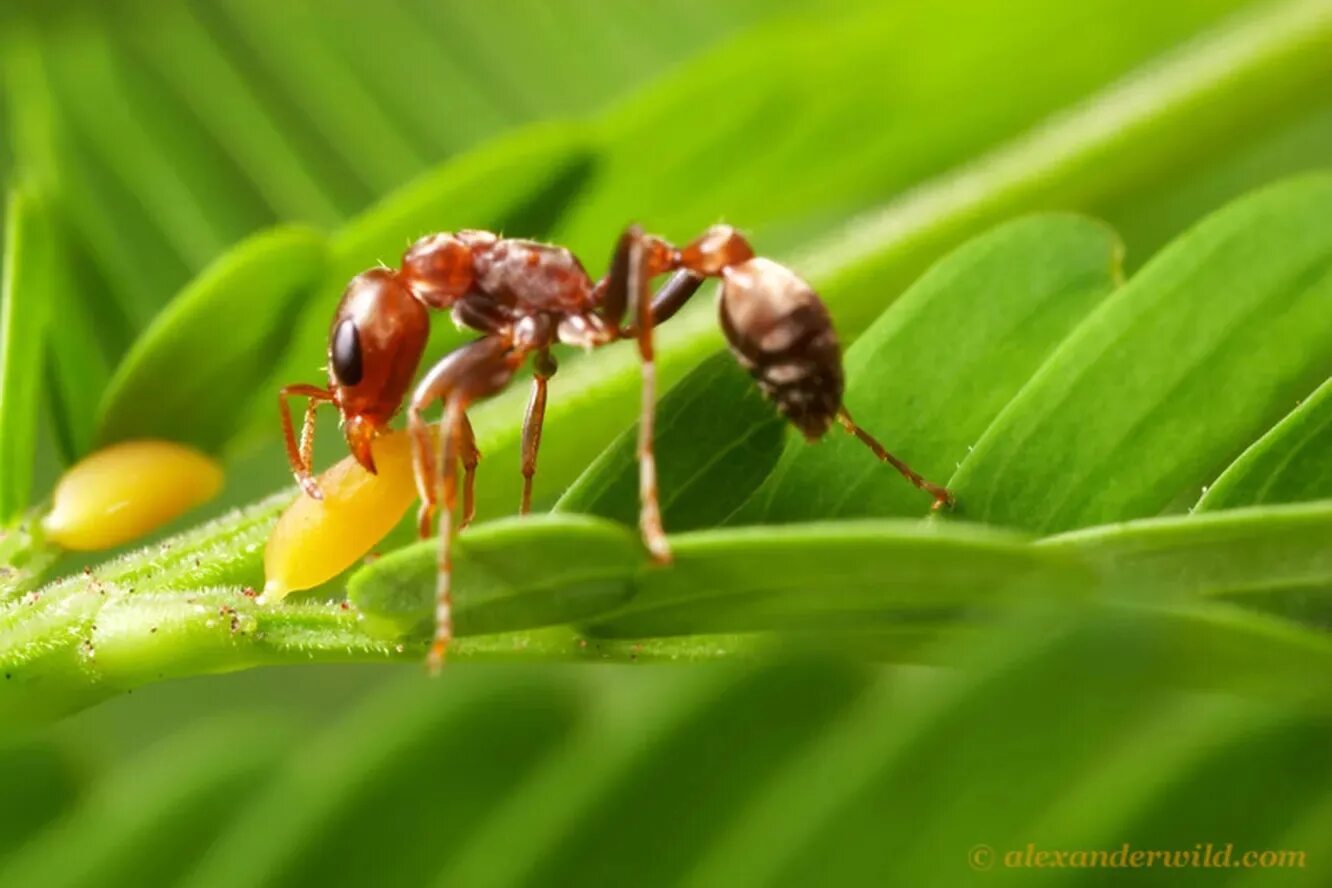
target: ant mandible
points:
(525, 297)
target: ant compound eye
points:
(345, 353)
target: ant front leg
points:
(301, 456)
(474, 371)
(423, 467)
(470, 458)
(536, 414)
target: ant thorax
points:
(529, 277)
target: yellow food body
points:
(126, 490)
(315, 540)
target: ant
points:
(524, 297)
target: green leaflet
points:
(572, 568)
(716, 439)
(1172, 377)
(835, 576)
(201, 362)
(929, 376)
(28, 284)
(1291, 463)
(1273, 557)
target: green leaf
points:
(931, 374)
(385, 758)
(1291, 463)
(786, 123)
(715, 440)
(77, 368)
(1169, 111)
(1275, 557)
(181, 787)
(699, 766)
(837, 576)
(201, 362)
(41, 781)
(287, 43)
(571, 568)
(91, 74)
(240, 118)
(27, 288)
(135, 259)
(1172, 376)
(862, 806)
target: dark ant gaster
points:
(525, 297)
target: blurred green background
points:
(164, 133)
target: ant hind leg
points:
(942, 497)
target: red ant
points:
(525, 297)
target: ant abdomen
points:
(780, 332)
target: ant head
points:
(374, 347)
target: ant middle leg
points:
(536, 414)
(301, 456)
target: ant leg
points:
(536, 414)
(423, 468)
(450, 432)
(470, 457)
(627, 285)
(673, 295)
(942, 498)
(301, 456)
(474, 371)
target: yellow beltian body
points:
(124, 491)
(315, 540)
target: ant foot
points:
(943, 499)
(435, 659)
(310, 487)
(424, 514)
(660, 550)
